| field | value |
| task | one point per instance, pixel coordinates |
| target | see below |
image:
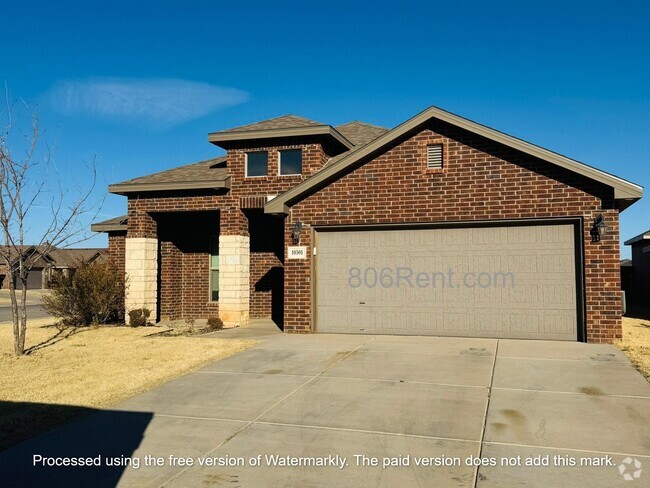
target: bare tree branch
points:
(22, 189)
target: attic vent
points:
(434, 156)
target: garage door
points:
(507, 282)
(35, 279)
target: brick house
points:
(48, 264)
(637, 284)
(362, 229)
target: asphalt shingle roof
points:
(360, 133)
(283, 122)
(208, 170)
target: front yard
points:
(92, 367)
(636, 343)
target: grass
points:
(91, 367)
(636, 343)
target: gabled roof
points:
(287, 127)
(116, 224)
(625, 192)
(57, 257)
(641, 237)
(360, 133)
(210, 173)
(69, 258)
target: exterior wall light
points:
(599, 229)
(295, 233)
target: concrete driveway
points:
(350, 401)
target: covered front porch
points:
(201, 264)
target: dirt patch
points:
(515, 416)
(337, 357)
(591, 391)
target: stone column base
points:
(141, 268)
(234, 280)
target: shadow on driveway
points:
(103, 435)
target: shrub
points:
(94, 294)
(214, 323)
(139, 317)
(189, 324)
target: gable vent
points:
(434, 156)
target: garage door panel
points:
(517, 282)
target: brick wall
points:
(196, 286)
(170, 281)
(481, 180)
(116, 249)
(262, 283)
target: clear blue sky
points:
(139, 85)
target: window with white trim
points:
(434, 156)
(214, 268)
(290, 162)
(257, 163)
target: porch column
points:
(141, 267)
(234, 276)
(141, 264)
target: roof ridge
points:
(362, 122)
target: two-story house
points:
(439, 226)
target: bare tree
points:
(29, 180)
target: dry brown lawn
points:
(91, 367)
(636, 343)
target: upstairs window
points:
(434, 156)
(257, 163)
(290, 162)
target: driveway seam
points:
(387, 380)
(599, 395)
(487, 407)
(256, 373)
(583, 360)
(350, 378)
(570, 449)
(190, 417)
(318, 427)
(364, 431)
(180, 473)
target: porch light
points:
(599, 229)
(295, 233)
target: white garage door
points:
(508, 282)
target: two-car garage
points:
(515, 280)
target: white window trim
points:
(211, 269)
(246, 175)
(280, 161)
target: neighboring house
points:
(354, 228)
(637, 281)
(50, 264)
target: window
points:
(291, 162)
(257, 163)
(434, 156)
(214, 268)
